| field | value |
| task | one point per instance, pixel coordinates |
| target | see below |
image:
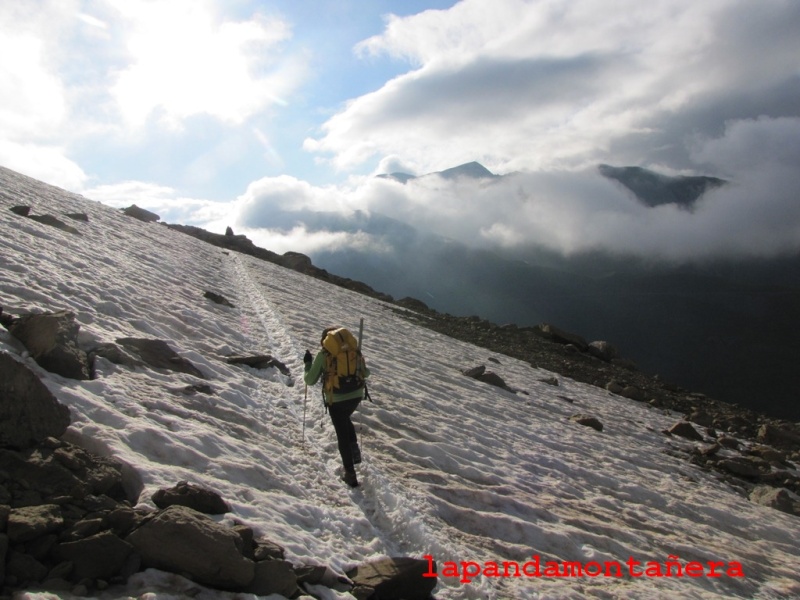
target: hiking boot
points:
(350, 478)
(356, 452)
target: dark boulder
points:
(54, 222)
(141, 214)
(52, 340)
(181, 540)
(686, 430)
(392, 579)
(260, 361)
(587, 421)
(218, 299)
(563, 337)
(29, 413)
(187, 494)
(158, 354)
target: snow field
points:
(453, 468)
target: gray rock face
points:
(159, 355)
(181, 540)
(392, 579)
(52, 340)
(29, 412)
(186, 494)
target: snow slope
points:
(453, 468)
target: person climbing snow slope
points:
(344, 372)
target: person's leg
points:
(345, 431)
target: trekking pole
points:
(305, 398)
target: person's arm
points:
(313, 370)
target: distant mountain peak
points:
(472, 170)
(653, 189)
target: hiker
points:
(343, 373)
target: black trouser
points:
(345, 432)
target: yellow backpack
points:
(342, 363)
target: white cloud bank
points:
(756, 214)
(563, 84)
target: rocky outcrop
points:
(141, 214)
(182, 540)
(587, 421)
(158, 354)
(481, 374)
(392, 579)
(260, 361)
(218, 299)
(686, 430)
(25, 211)
(29, 413)
(66, 524)
(52, 340)
(193, 496)
(563, 337)
(290, 260)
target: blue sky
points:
(215, 112)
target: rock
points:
(52, 340)
(181, 540)
(229, 231)
(158, 354)
(274, 577)
(268, 550)
(550, 381)
(29, 413)
(686, 430)
(22, 211)
(218, 299)
(297, 262)
(494, 379)
(31, 522)
(624, 363)
(54, 222)
(777, 498)
(82, 217)
(89, 477)
(729, 442)
(700, 418)
(141, 214)
(740, 466)
(779, 436)
(100, 556)
(614, 387)
(474, 372)
(261, 361)
(3, 553)
(187, 494)
(24, 568)
(563, 337)
(769, 454)
(633, 393)
(587, 421)
(603, 351)
(481, 374)
(393, 579)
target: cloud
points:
(185, 60)
(562, 85)
(32, 98)
(756, 214)
(44, 162)
(165, 201)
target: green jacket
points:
(316, 370)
